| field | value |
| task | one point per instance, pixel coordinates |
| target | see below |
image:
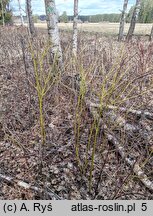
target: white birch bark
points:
(53, 31)
(30, 18)
(20, 10)
(75, 29)
(133, 20)
(122, 21)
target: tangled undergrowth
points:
(47, 116)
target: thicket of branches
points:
(76, 113)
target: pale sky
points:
(86, 7)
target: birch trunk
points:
(75, 29)
(30, 18)
(20, 10)
(53, 31)
(122, 21)
(151, 34)
(2, 6)
(133, 20)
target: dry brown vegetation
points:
(105, 28)
(97, 130)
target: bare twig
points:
(140, 113)
(129, 160)
(27, 186)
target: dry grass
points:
(106, 28)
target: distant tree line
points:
(143, 17)
(98, 18)
(145, 14)
(146, 11)
(92, 18)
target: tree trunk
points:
(2, 7)
(75, 29)
(151, 34)
(30, 18)
(20, 10)
(122, 21)
(53, 31)
(133, 20)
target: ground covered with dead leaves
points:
(20, 139)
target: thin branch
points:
(120, 149)
(140, 113)
(13, 181)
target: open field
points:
(81, 132)
(105, 28)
